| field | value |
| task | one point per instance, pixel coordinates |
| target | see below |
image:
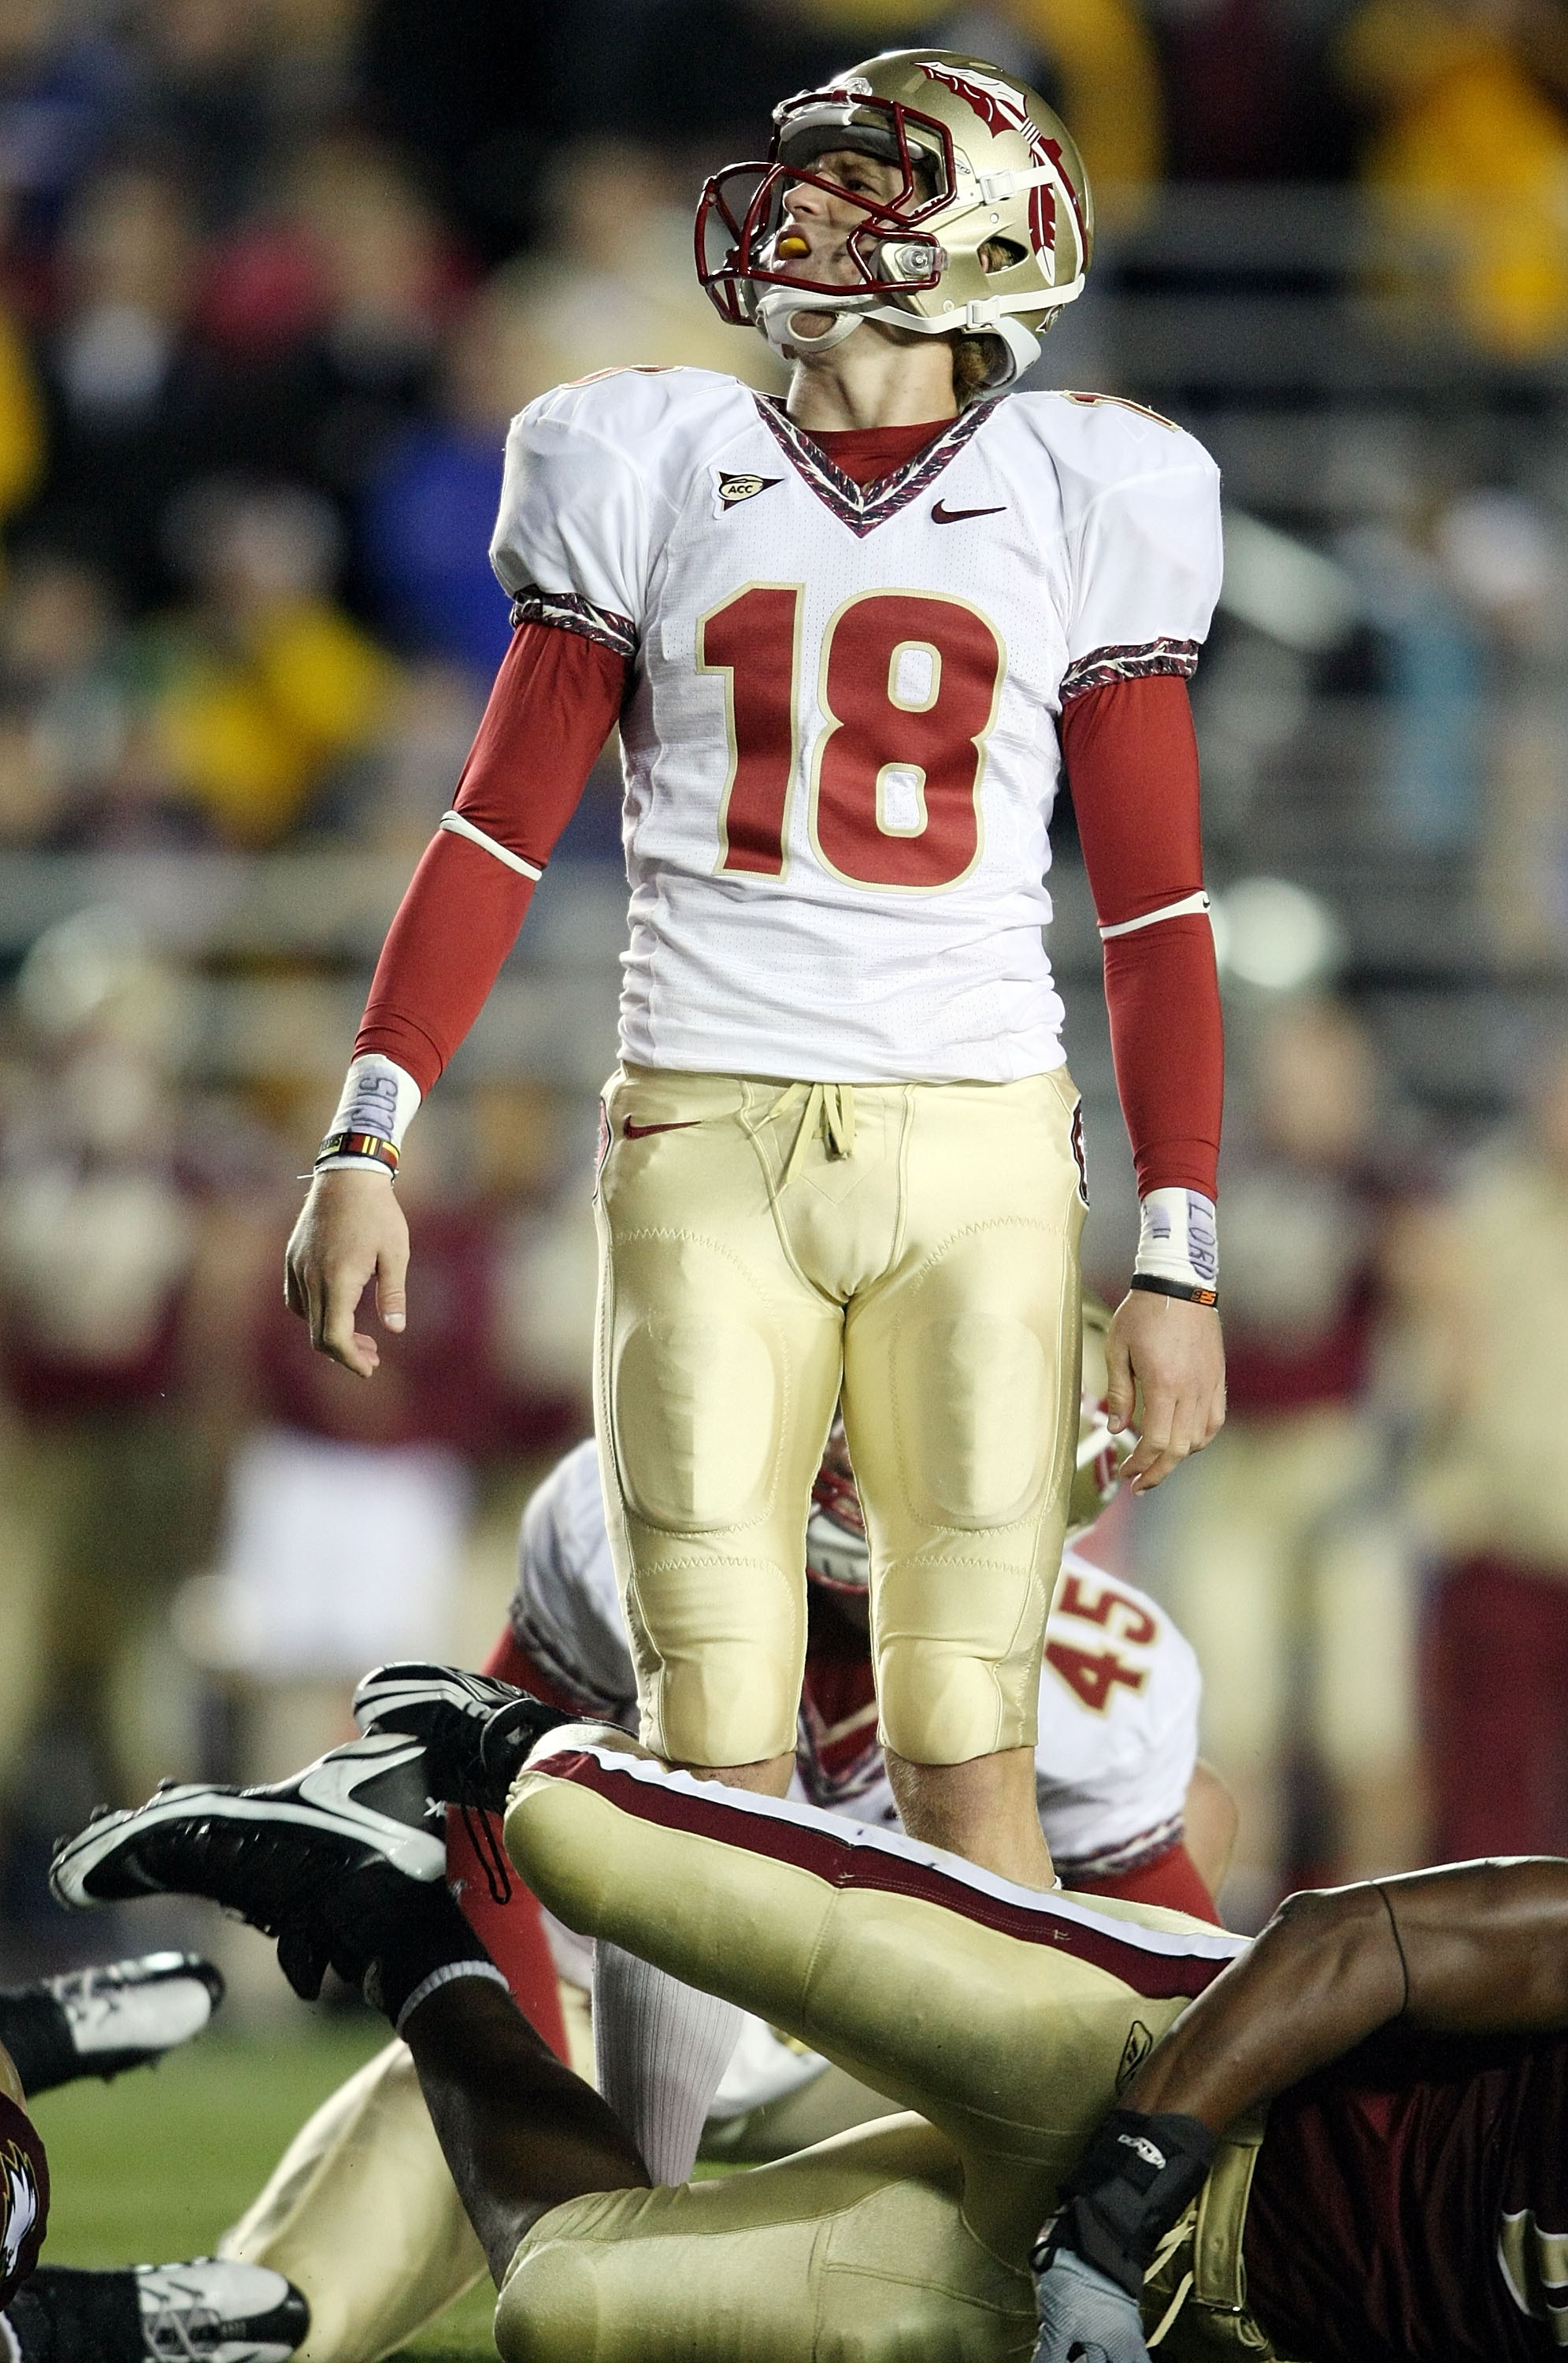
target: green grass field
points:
(156, 2165)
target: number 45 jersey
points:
(840, 746)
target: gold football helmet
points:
(990, 234)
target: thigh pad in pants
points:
(856, 2249)
(717, 1368)
(961, 1404)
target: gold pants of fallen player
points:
(362, 2216)
(1003, 2016)
(763, 1245)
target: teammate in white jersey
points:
(848, 640)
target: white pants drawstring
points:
(827, 1108)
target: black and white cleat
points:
(209, 2311)
(478, 1732)
(304, 1860)
(99, 2021)
(218, 2310)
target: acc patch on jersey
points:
(734, 487)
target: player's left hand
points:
(1166, 1365)
(1084, 2317)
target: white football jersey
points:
(1118, 1700)
(841, 749)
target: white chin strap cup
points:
(780, 305)
(1023, 346)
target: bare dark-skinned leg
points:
(519, 2131)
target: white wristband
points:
(1177, 1240)
(380, 1097)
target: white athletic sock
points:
(660, 2049)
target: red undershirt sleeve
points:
(555, 701)
(1131, 761)
(1172, 1879)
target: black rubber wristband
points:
(1126, 2193)
(1189, 1294)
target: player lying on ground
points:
(1397, 2055)
(848, 638)
(1000, 2014)
(1118, 1785)
(1347, 2149)
(99, 2021)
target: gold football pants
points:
(1004, 2017)
(764, 1246)
(361, 2214)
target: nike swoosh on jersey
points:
(630, 1131)
(940, 515)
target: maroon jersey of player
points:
(1410, 2204)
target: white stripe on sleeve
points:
(461, 827)
(1190, 903)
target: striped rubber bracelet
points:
(359, 1144)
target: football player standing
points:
(849, 638)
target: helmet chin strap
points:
(1022, 348)
(778, 307)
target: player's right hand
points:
(1084, 2317)
(350, 1230)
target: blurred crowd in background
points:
(274, 276)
